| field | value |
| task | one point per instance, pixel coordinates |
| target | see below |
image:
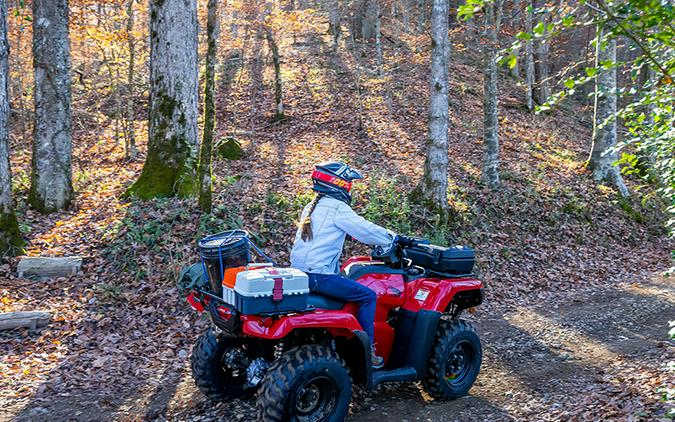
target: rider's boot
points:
(376, 362)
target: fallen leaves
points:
(120, 332)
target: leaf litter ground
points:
(575, 324)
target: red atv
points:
(301, 351)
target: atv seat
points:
(324, 302)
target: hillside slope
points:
(121, 334)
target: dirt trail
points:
(594, 357)
(570, 361)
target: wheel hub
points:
(458, 363)
(236, 361)
(316, 399)
(256, 371)
(308, 398)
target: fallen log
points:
(48, 267)
(30, 320)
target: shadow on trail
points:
(99, 374)
(632, 320)
(534, 362)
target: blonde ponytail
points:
(306, 222)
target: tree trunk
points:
(170, 167)
(529, 58)
(231, 63)
(370, 21)
(334, 24)
(10, 237)
(212, 33)
(278, 92)
(356, 19)
(130, 149)
(406, 6)
(602, 156)
(421, 15)
(516, 17)
(51, 183)
(490, 174)
(543, 90)
(434, 184)
(378, 36)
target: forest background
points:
(540, 133)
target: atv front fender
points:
(337, 322)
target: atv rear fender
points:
(338, 323)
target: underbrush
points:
(386, 201)
(508, 228)
(159, 236)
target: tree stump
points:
(30, 320)
(48, 267)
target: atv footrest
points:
(406, 373)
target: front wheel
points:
(307, 383)
(455, 360)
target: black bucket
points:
(228, 249)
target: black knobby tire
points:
(455, 360)
(310, 370)
(207, 368)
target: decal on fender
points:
(421, 295)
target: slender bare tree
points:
(493, 17)
(278, 88)
(529, 57)
(516, 18)
(434, 184)
(421, 15)
(603, 156)
(130, 149)
(51, 184)
(334, 23)
(541, 65)
(204, 171)
(10, 237)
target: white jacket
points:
(332, 220)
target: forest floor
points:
(574, 326)
(591, 355)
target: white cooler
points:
(271, 291)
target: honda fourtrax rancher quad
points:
(301, 351)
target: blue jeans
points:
(340, 287)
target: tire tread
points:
(433, 382)
(283, 372)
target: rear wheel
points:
(455, 360)
(307, 383)
(219, 366)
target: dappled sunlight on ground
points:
(119, 342)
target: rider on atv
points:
(324, 224)
(300, 337)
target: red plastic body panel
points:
(435, 294)
(392, 292)
(361, 258)
(338, 322)
(195, 302)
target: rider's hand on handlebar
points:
(405, 241)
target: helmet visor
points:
(332, 180)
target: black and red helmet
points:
(334, 179)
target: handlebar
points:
(409, 242)
(396, 253)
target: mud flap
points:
(422, 339)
